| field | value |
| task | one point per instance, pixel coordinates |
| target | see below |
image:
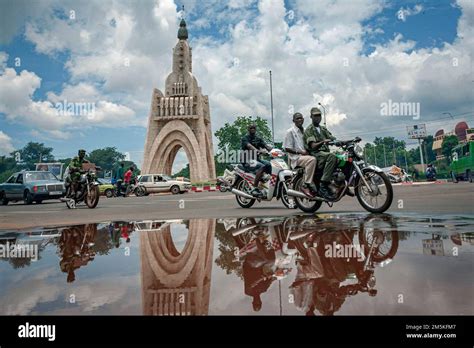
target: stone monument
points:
(180, 118)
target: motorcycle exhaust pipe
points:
(299, 194)
(241, 193)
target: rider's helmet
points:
(81, 153)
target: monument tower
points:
(180, 118)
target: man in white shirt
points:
(299, 157)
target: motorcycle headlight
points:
(359, 152)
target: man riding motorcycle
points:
(299, 157)
(252, 144)
(75, 168)
(316, 138)
(430, 173)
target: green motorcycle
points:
(352, 177)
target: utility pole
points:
(421, 155)
(384, 155)
(375, 156)
(271, 106)
(406, 162)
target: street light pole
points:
(421, 154)
(271, 106)
(324, 113)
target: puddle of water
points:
(330, 264)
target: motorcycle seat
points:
(247, 167)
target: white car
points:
(163, 183)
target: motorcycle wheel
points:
(304, 204)
(287, 201)
(244, 186)
(140, 191)
(374, 228)
(376, 181)
(92, 199)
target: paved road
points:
(430, 199)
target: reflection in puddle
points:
(329, 264)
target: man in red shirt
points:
(127, 178)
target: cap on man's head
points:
(315, 111)
(81, 151)
(296, 115)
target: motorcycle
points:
(352, 172)
(88, 188)
(403, 177)
(229, 177)
(273, 186)
(127, 190)
(430, 174)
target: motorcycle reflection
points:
(333, 260)
(264, 252)
(76, 248)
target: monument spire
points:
(182, 31)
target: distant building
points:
(462, 131)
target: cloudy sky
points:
(350, 55)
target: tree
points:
(449, 143)
(106, 158)
(428, 145)
(231, 134)
(33, 153)
(183, 172)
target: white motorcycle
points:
(240, 182)
(403, 177)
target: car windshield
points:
(40, 176)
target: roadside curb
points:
(204, 188)
(442, 181)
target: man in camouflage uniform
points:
(75, 168)
(316, 138)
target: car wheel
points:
(3, 199)
(27, 197)
(175, 189)
(109, 193)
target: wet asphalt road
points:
(444, 198)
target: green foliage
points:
(106, 158)
(232, 134)
(448, 144)
(183, 172)
(33, 153)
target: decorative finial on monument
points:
(182, 31)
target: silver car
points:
(29, 186)
(154, 183)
